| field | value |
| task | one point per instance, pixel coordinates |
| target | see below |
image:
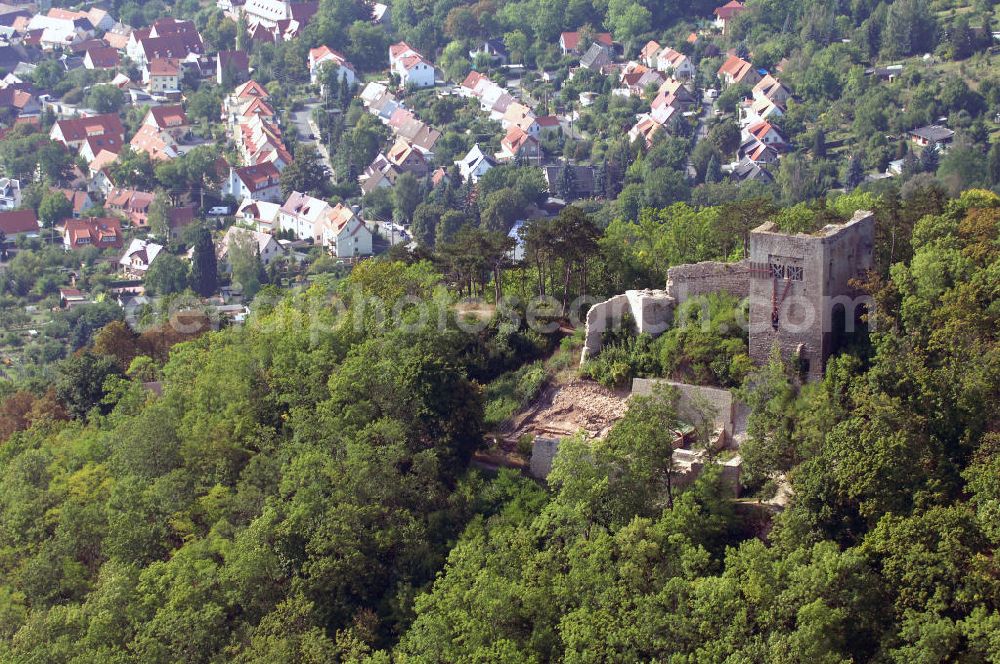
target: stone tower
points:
(800, 295)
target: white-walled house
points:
(299, 214)
(343, 232)
(475, 164)
(415, 71)
(260, 182)
(139, 257)
(318, 57)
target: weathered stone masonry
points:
(795, 283)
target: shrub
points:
(512, 391)
(621, 361)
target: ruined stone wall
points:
(692, 401)
(652, 311)
(794, 313)
(687, 281)
(543, 453)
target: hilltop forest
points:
(300, 491)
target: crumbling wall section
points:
(543, 453)
(652, 311)
(687, 281)
(697, 401)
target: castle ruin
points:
(799, 288)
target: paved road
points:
(305, 127)
(707, 111)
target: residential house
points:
(758, 152)
(139, 256)
(179, 218)
(93, 146)
(726, 13)
(15, 223)
(162, 75)
(669, 60)
(169, 118)
(570, 42)
(101, 57)
(80, 200)
(118, 36)
(548, 124)
(10, 193)
(260, 182)
(344, 233)
(262, 214)
(736, 70)
(100, 232)
(74, 132)
(166, 38)
(772, 89)
(159, 145)
(474, 164)
(277, 20)
(519, 115)
(746, 171)
(407, 158)
(517, 144)
(100, 181)
(22, 102)
(932, 135)
(268, 248)
(326, 56)
(398, 51)
(132, 204)
(765, 132)
(300, 213)
(380, 174)
(415, 71)
(596, 58)
(644, 129)
(759, 110)
(59, 31)
(648, 54)
(493, 50)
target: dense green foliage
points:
(300, 491)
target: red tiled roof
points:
(94, 231)
(251, 89)
(399, 48)
(728, 10)
(571, 40)
(736, 67)
(76, 129)
(77, 198)
(516, 138)
(171, 115)
(164, 67)
(18, 221)
(103, 57)
(258, 176)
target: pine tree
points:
(600, 180)
(994, 164)
(204, 267)
(855, 173)
(566, 182)
(929, 159)
(819, 143)
(713, 171)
